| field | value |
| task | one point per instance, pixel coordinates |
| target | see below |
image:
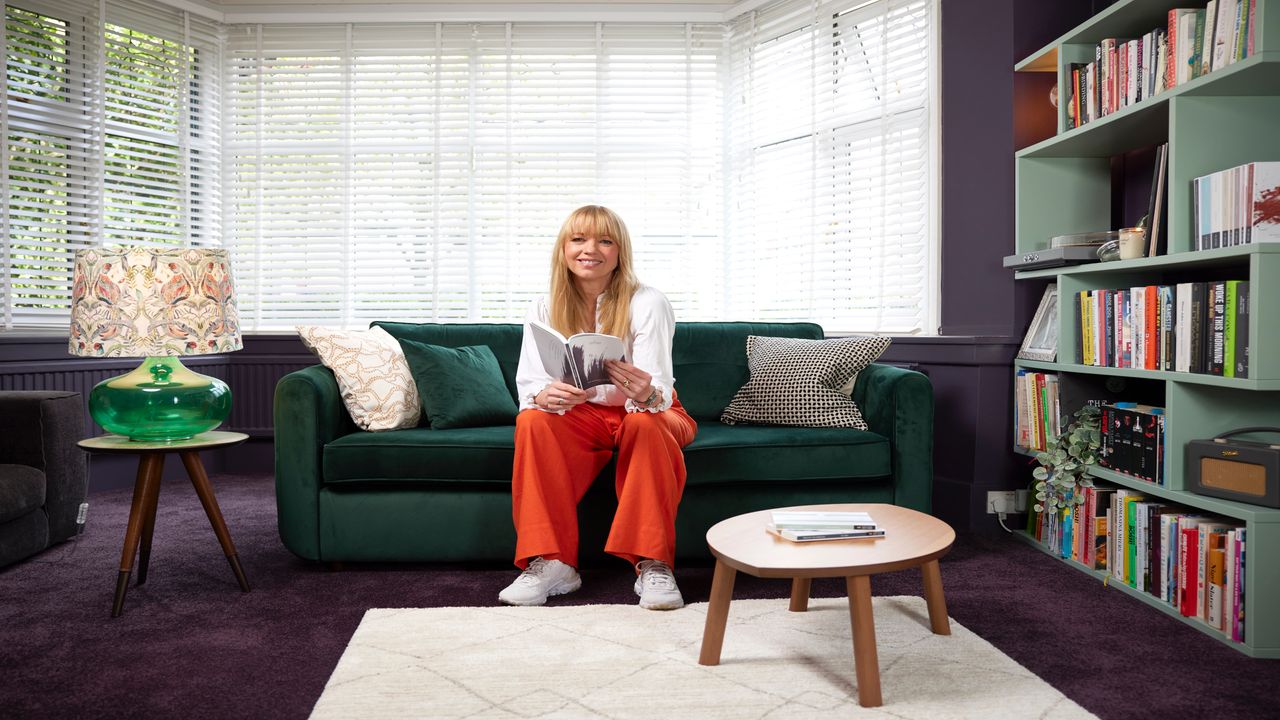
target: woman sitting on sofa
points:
(566, 435)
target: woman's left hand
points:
(631, 380)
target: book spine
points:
(1150, 332)
(1242, 329)
(1206, 53)
(1229, 329)
(1188, 570)
(1217, 326)
(1253, 30)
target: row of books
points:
(1132, 438)
(1237, 206)
(1037, 409)
(1199, 327)
(1194, 42)
(808, 526)
(1193, 562)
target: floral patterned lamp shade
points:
(157, 304)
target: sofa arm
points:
(40, 429)
(308, 414)
(898, 404)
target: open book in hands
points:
(578, 360)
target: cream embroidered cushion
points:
(372, 375)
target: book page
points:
(589, 351)
(552, 350)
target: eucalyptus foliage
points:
(1065, 461)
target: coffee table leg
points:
(800, 594)
(152, 500)
(866, 664)
(148, 473)
(717, 614)
(934, 599)
(195, 469)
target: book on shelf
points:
(1156, 207)
(1037, 409)
(578, 360)
(1198, 327)
(1192, 42)
(1237, 206)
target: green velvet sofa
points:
(420, 494)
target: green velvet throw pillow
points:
(459, 387)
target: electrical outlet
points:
(1001, 501)
(1020, 498)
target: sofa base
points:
(472, 522)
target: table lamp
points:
(157, 303)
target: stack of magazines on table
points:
(807, 526)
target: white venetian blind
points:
(162, 98)
(111, 134)
(420, 172)
(50, 119)
(829, 155)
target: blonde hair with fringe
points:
(570, 311)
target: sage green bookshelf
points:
(1063, 186)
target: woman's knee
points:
(644, 424)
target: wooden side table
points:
(912, 539)
(146, 496)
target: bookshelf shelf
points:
(1064, 185)
(1108, 581)
(1126, 128)
(1180, 377)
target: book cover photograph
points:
(578, 360)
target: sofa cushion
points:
(800, 382)
(757, 454)
(377, 387)
(502, 338)
(711, 362)
(482, 454)
(21, 491)
(719, 454)
(460, 387)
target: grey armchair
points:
(43, 474)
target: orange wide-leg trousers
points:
(558, 457)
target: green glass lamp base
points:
(160, 400)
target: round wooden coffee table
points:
(912, 539)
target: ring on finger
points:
(626, 383)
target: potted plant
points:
(1065, 461)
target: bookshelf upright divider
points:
(1212, 122)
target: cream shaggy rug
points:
(619, 661)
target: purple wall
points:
(984, 313)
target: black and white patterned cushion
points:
(797, 382)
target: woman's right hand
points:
(560, 396)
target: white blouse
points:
(653, 326)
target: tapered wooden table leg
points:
(151, 501)
(717, 614)
(800, 594)
(866, 664)
(195, 469)
(148, 474)
(934, 599)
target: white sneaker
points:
(656, 586)
(540, 580)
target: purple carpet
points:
(191, 645)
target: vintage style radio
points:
(1236, 469)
